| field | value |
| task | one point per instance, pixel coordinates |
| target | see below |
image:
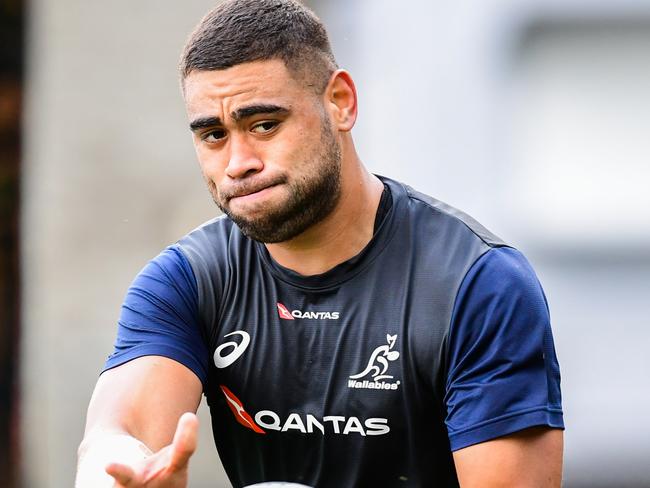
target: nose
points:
(244, 160)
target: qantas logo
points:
(222, 360)
(238, 411)
(284, 313)
(305, 424)
(377, 368)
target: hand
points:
(168, 468)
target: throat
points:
(310, 255)
(339, 237)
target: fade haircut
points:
(241, 31)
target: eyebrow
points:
(249, 111)
(238, 115)
(204, 122)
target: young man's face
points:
(266, 147)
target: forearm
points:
(101, 448)
(130, 416)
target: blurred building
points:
(531, 116)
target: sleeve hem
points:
(507, 424)
(164, 350)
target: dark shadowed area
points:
(11, 68)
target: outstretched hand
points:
(167, 468)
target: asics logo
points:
(222, 360)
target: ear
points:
(341, 100)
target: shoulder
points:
(451, 216)
(206, 237)
(213, 244)
(165, 282)
(502, 273)
(170, 267)
(443, 236)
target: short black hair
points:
(241, 31)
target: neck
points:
(343, 233)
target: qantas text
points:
(308, 424)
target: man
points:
(345, 329)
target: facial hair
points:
(312, 196)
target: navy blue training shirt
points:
(435, 337)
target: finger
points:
(184, 443)
(122, 473)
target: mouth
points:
(251, 191)
(252, 194)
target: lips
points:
(250, 191)
(238, 189)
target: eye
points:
(264, 127)
(214, 135)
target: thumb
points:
(184, 443)
(122, 473)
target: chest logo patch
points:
(286, 314)
(234, 349)
(238, 411)
(376, 369)
(303, 423)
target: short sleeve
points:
(502, 370)
(159, 316)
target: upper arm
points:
(143, 398)
(160, 316)
(502, 371)
(160, 360)
(531, 458)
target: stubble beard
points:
(311, 198)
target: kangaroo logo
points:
(378, 363)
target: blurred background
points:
(533, 116)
